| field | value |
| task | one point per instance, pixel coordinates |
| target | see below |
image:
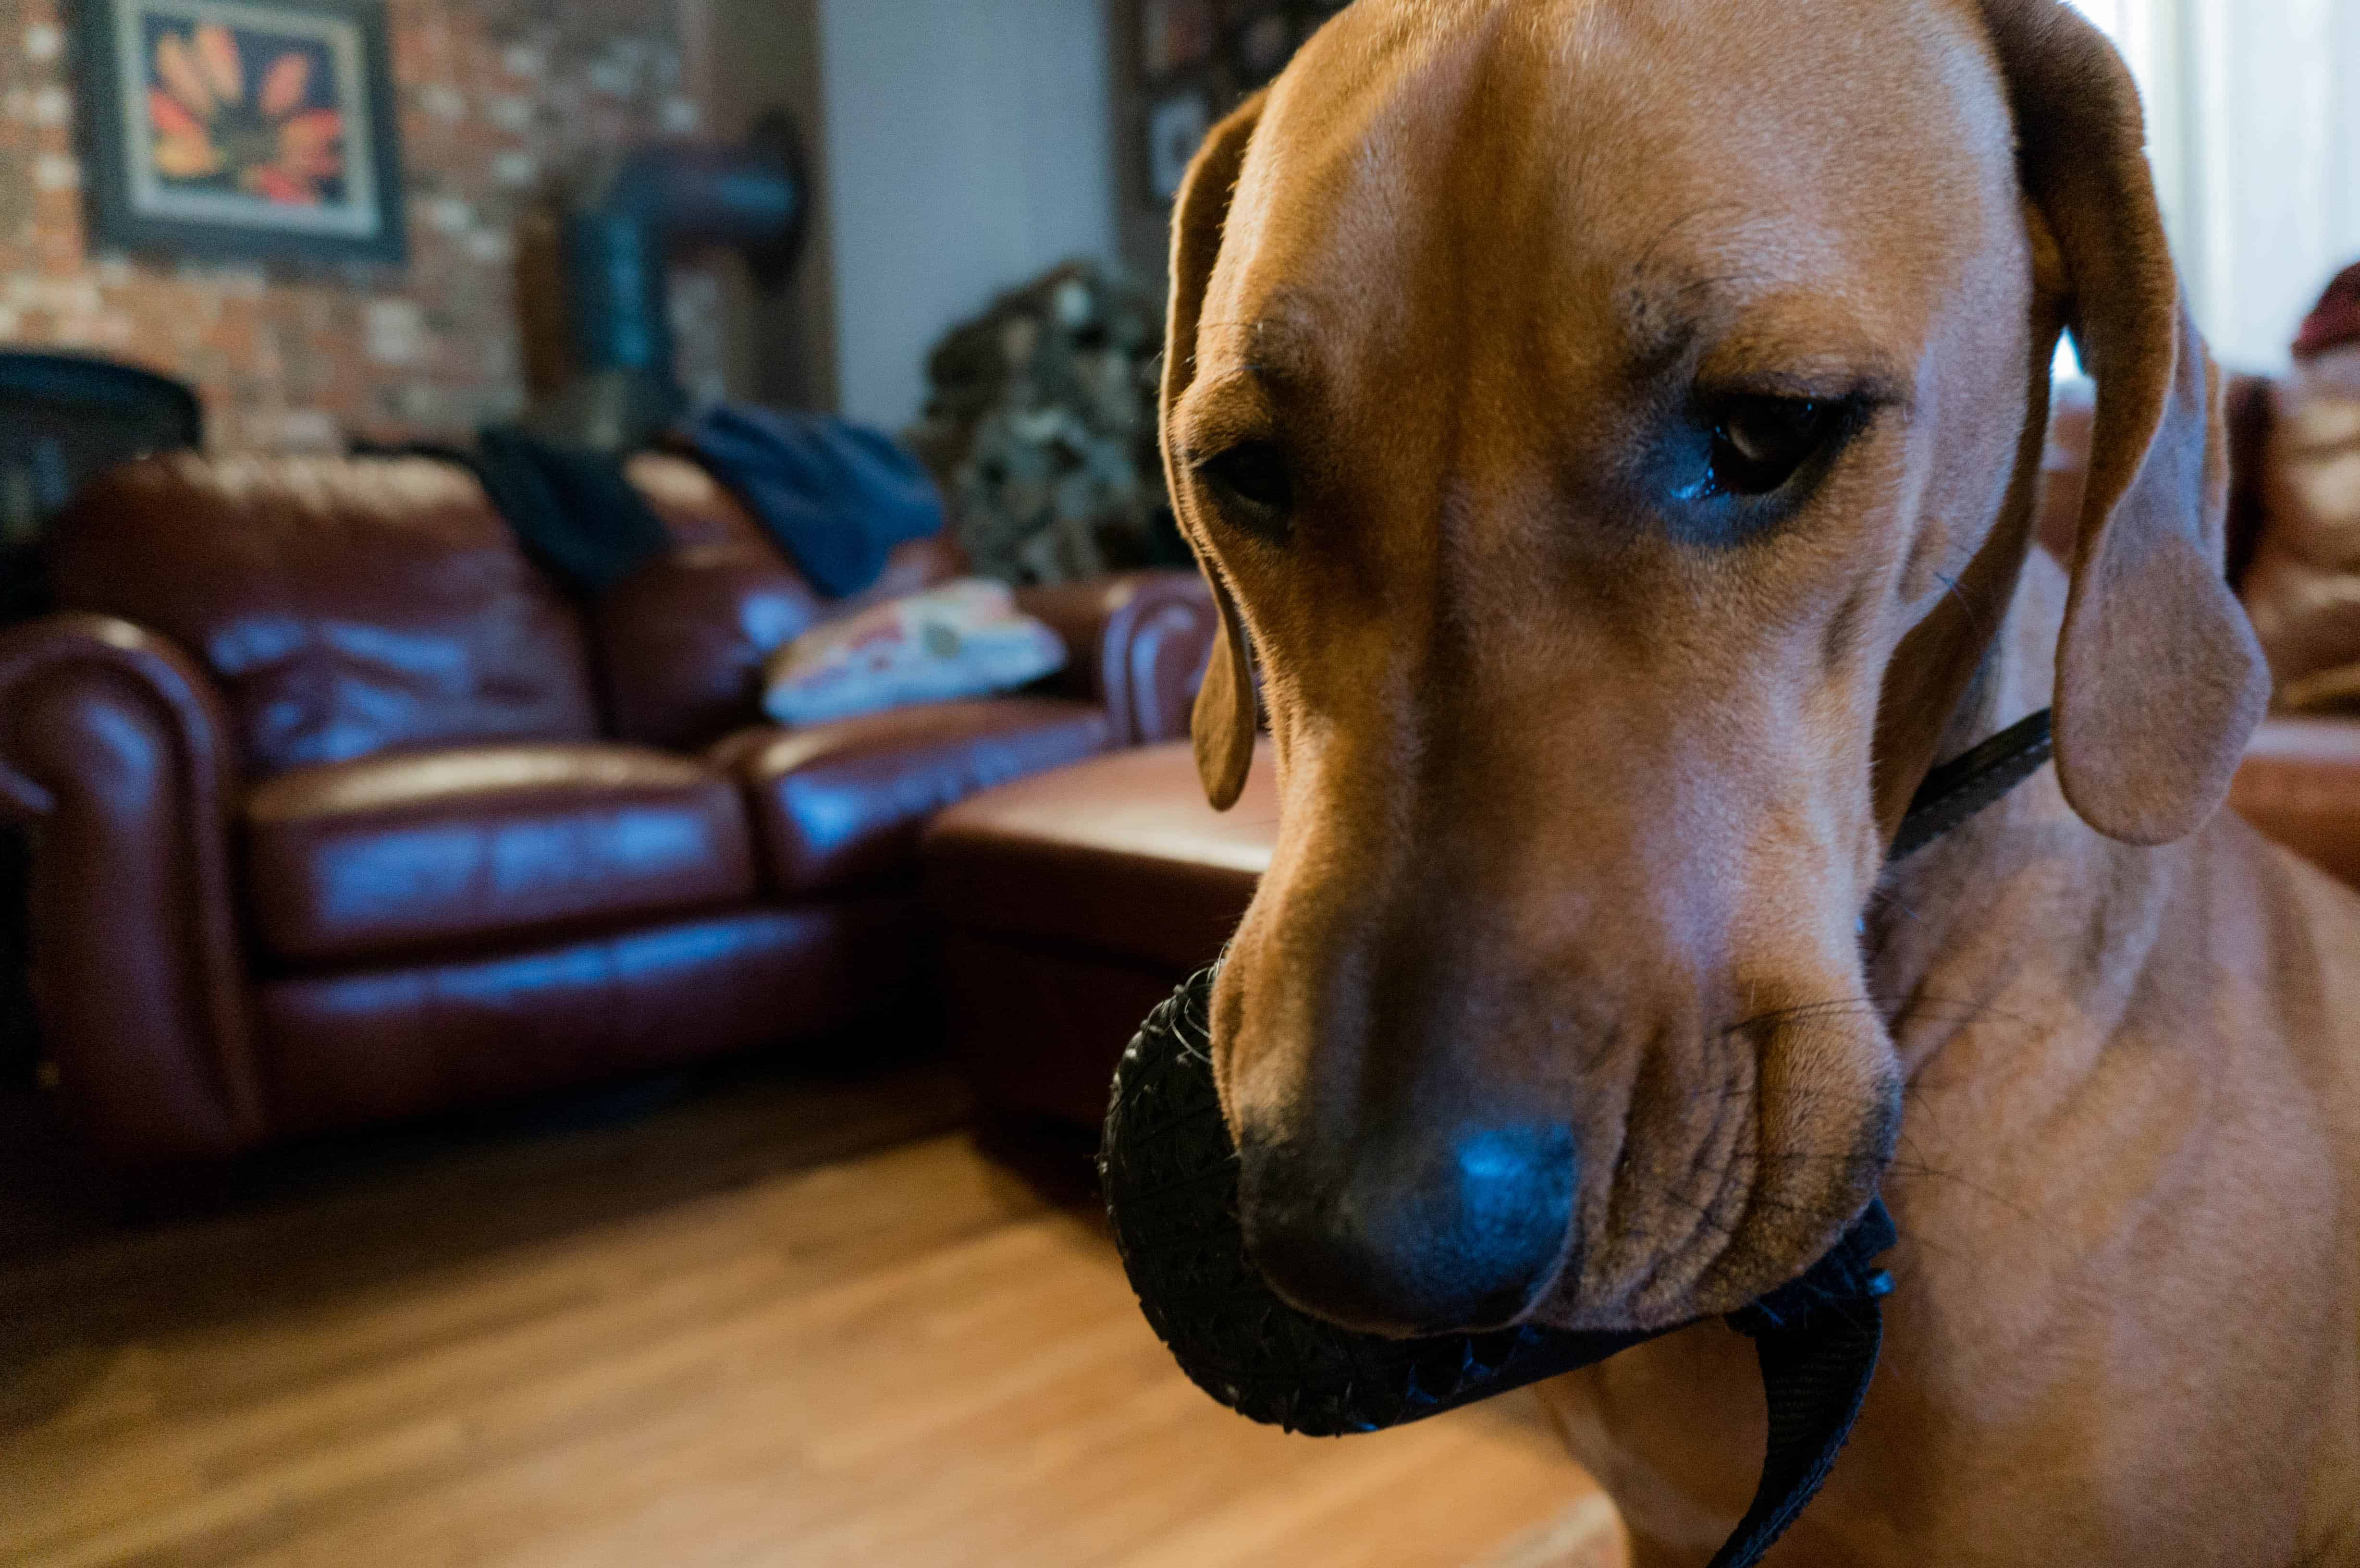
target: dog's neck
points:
(1947, 929)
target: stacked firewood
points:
(1041, 429)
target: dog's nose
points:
(1415, 1234)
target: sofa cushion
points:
(344, 606)
(396, 1040)
(488, 845)
(839, 805)
(1120, 856)
(962, 639)
(2304, 592)
(681, 640)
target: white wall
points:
(2277, 113)
(2254, 129)
(967, 151)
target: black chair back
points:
(63, 419)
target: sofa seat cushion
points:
(1120, 857)
(352, 1046)
(488, 844)
(842, 805)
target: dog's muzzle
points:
(1170, 1173)
(1478, 1243)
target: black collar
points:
(1960, 789)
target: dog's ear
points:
(1223, 725)
(2160, 680)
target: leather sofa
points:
(343, 812)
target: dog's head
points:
(1613, 425)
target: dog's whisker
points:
(1973, 613)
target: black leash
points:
(1960, 789)
(1170, 1175)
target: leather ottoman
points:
(1074, 900)
(1071, 902)
(2300, 785)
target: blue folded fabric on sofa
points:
(836, 497)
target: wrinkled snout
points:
(1412, 1229)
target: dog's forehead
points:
(1635, 172)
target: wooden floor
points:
(701, 1335)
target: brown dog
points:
(1614, 424)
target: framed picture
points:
(252, 128)
(1174, 36)
(1175, 129)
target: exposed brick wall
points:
(499, 100)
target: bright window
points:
(2254, 130)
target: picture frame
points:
(1176, 36)
(1177, 127)
(242, 129)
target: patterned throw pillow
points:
(962, 639)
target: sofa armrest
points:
(2299, 784)
(113, 748)
(1137, 643)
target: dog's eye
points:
(1254, 473)
(1758, 444)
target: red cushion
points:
(483, 845)
(843, 805)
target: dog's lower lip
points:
(1500, 1314)
(1520, 1315)
(1489, 1322)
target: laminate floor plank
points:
(725, 1355)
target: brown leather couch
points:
(343, 812)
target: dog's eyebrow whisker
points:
(1644, 266)
(1708, 283)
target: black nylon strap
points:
(1171, 1178)
(1959, 789)
(1817, 1340)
